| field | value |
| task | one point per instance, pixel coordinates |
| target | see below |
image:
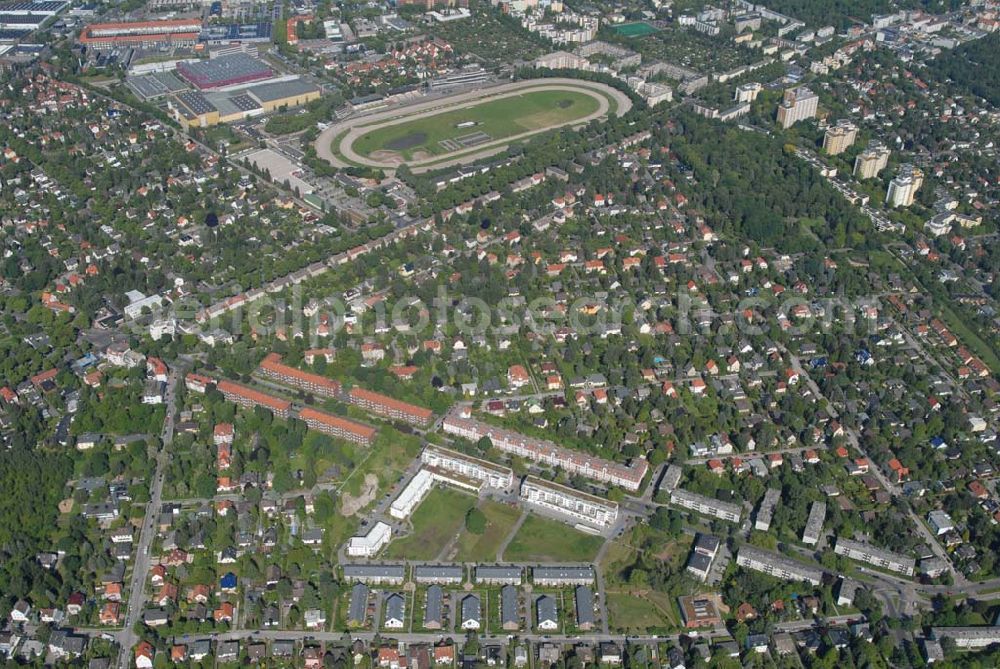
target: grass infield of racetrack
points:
(504, 117)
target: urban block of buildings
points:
(545, 452)
(862, 552)
(706, 505)
(569, 502)
(777, 565)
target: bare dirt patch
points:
(350, 505)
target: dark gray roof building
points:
(357, 609)
(508, 608)
(374, 573)
(433, 618)
(584, 599)
(439, 574)
(498, 574)
(562, 575)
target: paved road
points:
(324, 143)
(137, 586)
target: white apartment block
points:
(904, 186)
(706, 505)
(491, 475)
(862, 552)
(814, 525)
(542, 451)
(777, 565)
(370, 544)
(567, 502)
(411, 496)
(765, 512)
(968, 637)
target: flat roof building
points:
(799, 104)
(765, 512)
(703, 553)
(494, 476)
(371, 543)
(871, 161)
(141, 34)
(777, 565)
(699, 611)
(228, 70)
(547, 453)
(569, 503)
(410, 497)
(706, 505)
(814, 525)
(968, 637)
(904, 186)
(838, 138)
(863, 552)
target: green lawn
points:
(533, 110)
(435, 522)
(628, 612)
(544, 540)
(500, 518)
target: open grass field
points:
(466, 128)
(544, 540)
(639, 612)
(500, 518)
(435, 522)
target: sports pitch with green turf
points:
(635, 29)
(464, 129)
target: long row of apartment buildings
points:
(248, 398)
(272, 368)
(459, 422)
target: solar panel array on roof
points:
(195, 102)
(43, 7)
(33, 20)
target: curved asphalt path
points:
(355, 127)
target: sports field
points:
(635, 29)
(466, 128)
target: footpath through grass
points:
(500, 519)
(435, 522)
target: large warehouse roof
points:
(228, 70)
